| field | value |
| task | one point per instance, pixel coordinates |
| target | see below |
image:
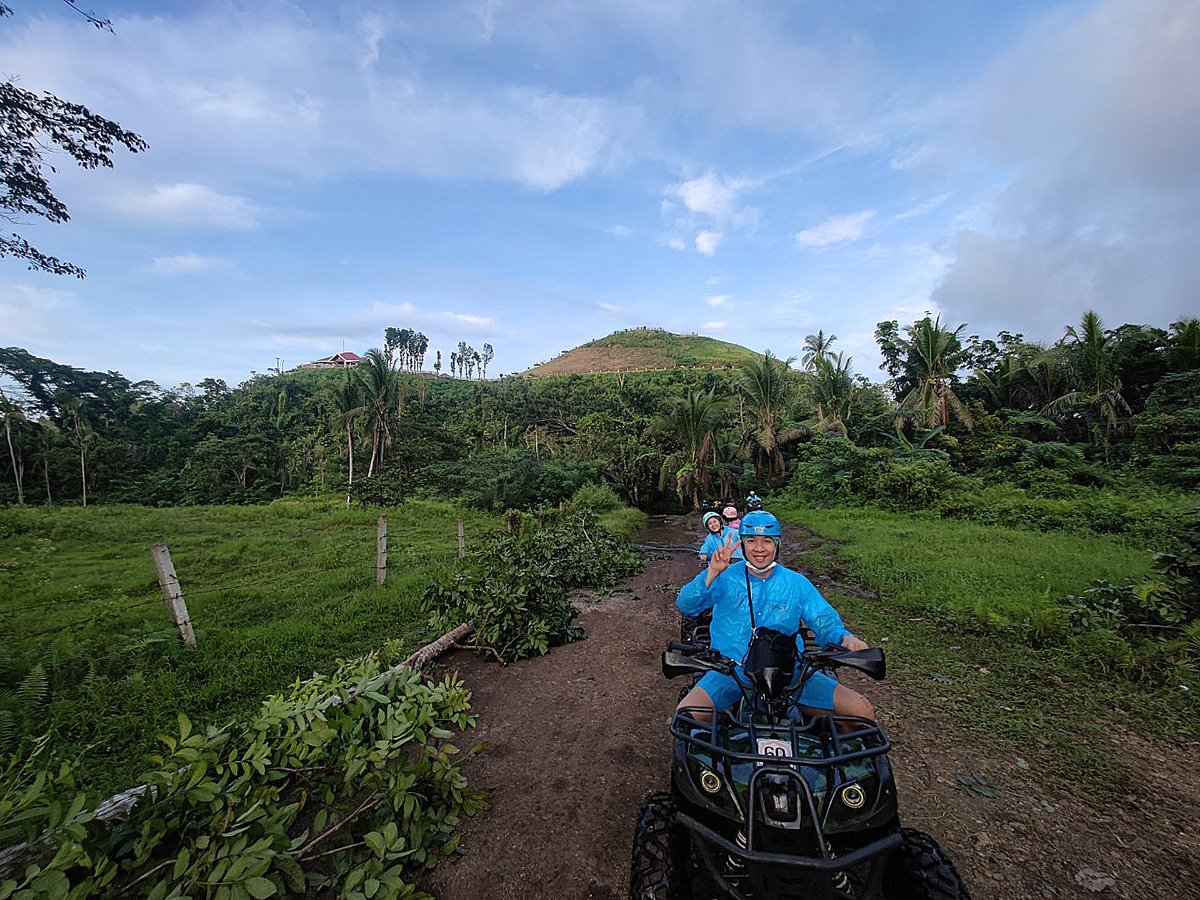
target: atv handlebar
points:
(683, 659)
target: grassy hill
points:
(645, 348)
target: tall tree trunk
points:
(83, 472)
(18, 470)
(349, 459)
(46, 471)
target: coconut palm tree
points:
(816, 346)
(768, 391)
(833, 391)
(693, 419)
(1184, 352)
(1087, 356)
(381, 394)
(931, 350)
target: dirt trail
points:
(578, 738)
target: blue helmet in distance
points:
(760, 523)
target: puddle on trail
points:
(668, 531)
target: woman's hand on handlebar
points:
(850, 642)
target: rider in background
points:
(783, 599)
(716, 535)
(731, 517)
(753, 502)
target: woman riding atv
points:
(716, 535)
(782, 599)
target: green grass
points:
(274, 593)
(986, 573)
(958, 611)
(683, 349)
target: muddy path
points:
(577, 738)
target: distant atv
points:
(771, 803)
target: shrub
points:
(597, 498)
(344, 781)
(515, 589)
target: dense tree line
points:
(1123, 395)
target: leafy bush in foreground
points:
(515, 590)
(346, 784)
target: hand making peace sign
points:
(721, 558)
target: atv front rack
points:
(825, 746)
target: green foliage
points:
(1148, 624)
(597, 498)
(511, 479)
(345, 785)
(391, 488)
(1049, 488)
(831, 470)
(515, 589)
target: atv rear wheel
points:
(660, 853)
(919, 870)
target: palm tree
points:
(931, 351)
(347, 407)
(768, 393)
(1087, 355)
(833, 390)
(381, 389)
(694, 419)
(816, 346)
(1184, 352)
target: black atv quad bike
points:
(770, 802)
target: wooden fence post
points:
(462, 541)
(381, 551)
(169, 582)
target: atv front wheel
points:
(919, 870)
(660, 853)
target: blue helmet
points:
(760, 522)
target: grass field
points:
(959, 612)
(274, 593)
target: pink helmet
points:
(730, 512)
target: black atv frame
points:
(878, 860)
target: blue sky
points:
(539, 174)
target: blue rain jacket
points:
(783, 600)
(712, 542)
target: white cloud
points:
(676, 243)
(713, 280)
(715, 326)
(708, 195)
(620, 231)
(708, 241)
(836, 230)
(185, 264)
(188, 204)
(611, 309)
(30, 312)
(388, 312)
(717, 299)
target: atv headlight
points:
(854, 796)
(710, 781)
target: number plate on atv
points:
(774, 747)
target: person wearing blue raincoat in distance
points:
(783, 599)
(717, 533)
